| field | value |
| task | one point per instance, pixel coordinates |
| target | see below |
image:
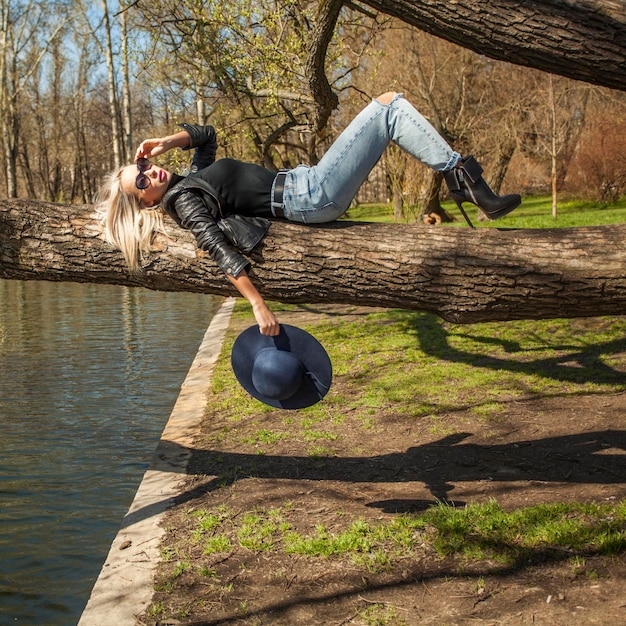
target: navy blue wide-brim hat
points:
(290, 371)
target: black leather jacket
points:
(196, 206)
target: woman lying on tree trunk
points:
(225, 203)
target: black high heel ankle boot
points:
(466, 184)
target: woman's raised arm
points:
(150, 148)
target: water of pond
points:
(88, 377)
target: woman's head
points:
(128, 201)
(145, 181)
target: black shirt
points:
(244, 188)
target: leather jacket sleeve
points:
(197, 217)
(204, 141)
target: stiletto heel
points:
(459, 203)
(466, 184)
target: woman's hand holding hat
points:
(268, 324)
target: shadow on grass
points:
(354, 589)
(566, 459)
(579, 458)
(575, 364)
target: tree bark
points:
(462, 275)
(581, 39)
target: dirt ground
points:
(540, 451)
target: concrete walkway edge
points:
(124, 587)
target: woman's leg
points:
(322, 193)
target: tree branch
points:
(325, 99)
(459, 274)
(581, 39)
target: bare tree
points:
(114, 106)
(555, 124)
(84, 136)
(597, 169)
(8, 94)
(126, 100)
(21, 24)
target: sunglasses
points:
(142, 181)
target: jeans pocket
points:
(321, 215)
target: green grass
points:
(373, 212)
(476, 532)
(534, 212)
(481, 531)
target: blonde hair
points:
(128, 225)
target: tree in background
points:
(246, 64)
(597, 170)
(27, 32)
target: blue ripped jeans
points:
(323, 193)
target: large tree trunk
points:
(460, 274)
(580, 39)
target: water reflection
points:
(88, 377)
